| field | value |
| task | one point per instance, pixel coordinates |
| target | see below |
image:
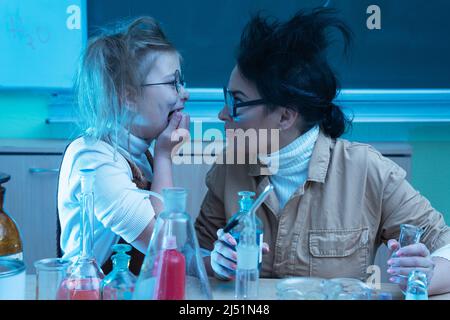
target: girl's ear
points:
(130, 100)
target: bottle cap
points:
(121, 259)
(246, 200)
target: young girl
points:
(130, 94)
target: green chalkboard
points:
(411, 50)
(40, 43)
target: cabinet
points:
(31, 200)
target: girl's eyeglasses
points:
(177, 83)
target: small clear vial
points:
(247, 273)
(417, 288)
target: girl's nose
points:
(184, 94)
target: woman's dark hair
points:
(288, 64)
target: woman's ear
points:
(288, 118)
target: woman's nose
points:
(224, 115)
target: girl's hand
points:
(412, 257)
(176, 130)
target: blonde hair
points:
(112, 69)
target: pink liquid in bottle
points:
(80, 289)
(171, 279)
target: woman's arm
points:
(417, 257)
(402, 204)
(440, 283)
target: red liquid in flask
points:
(171, 279)
(79, 289)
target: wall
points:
(23, 115)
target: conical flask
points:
(84, 276)
(173, 268)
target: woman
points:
(130, 93)
(335, 201)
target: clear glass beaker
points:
(409, 234)
(50, 274)
(173, 267)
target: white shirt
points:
(121, 209)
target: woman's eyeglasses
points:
(177, 83)
(232, 106)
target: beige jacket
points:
(353, 200)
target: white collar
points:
(295, 155)
(133, 146)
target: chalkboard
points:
(40, 42)
(411, 50)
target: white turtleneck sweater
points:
(121, 209)
(293, 164)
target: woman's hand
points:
(224, 256)
(169, 139)
(412, 257)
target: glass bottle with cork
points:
(10, 239)
(235, 225)
(119, 283)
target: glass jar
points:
(10, 240)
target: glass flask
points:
(235, 227)
(119, 283)
(173, 268)
(417, 288)
(247, 272)
(10, 239)
(306, 288)
(409, 234)
(84, 276)
(350, 289)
